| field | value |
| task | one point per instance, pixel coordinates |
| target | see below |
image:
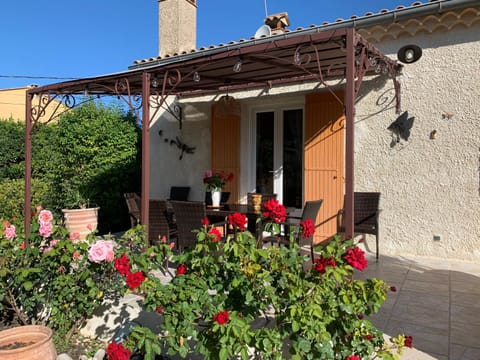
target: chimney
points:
(177, 26)
(277, 22)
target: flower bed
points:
(213, 304)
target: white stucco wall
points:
(429, 187)
(167, 169)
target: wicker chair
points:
(188, 216)
(310, 211)
(133, 205)
(365, 216)
(160, 221)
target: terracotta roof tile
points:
(325, 23)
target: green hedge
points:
(92, 153)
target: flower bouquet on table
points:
(216, 180)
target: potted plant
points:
(49, 280)
(29, 342)
(80, 217)
(215, 181)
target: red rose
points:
(122, 264)
(134, 279)
(368, 337)
(205, 221)
(352, 357)
(321, 264)
(159, 310)
(275, 211)
(408, 341)
(181, 269)
(393, 289)
(221, 318)
(215, 234)
(356, 258)
(238, 220)
(308, 228)
(117, 352)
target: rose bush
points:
(234, 300)
(52, 279)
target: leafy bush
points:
(12, 197)
(91, 154)
(12, 155)
(233, 300)
(51, 278)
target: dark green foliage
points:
(12, 195)
(12, 135)
(89, 156)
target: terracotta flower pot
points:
(81, 221)
(29, 342)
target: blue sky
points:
(75, 39)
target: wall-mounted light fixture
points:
(409, 54)
(237, 67)
(154, 82)
(196, 76)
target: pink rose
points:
(48, 249)
(76, 255)
(45, 217)
(53, 242)
(38, 207)
(9, 232)
(45, 229)
(74, 236)
(102, 250)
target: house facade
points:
(290, 140)
(12, 104)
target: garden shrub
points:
(90, 154)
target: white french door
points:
(278, 154)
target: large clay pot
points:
(81, 221)
(29, 342)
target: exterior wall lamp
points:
(408, 54)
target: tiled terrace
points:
(437, 302)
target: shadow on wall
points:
(400, 128)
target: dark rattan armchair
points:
(188, 217)
(310, 211)
(160, 221)
(365, 215)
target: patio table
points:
(227, 209)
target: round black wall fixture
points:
(409, 54)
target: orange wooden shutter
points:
(226, 148)
(324, 158)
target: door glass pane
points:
(292, 158)
(264, 180)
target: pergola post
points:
(349, 133)
(28, 165)
(145, 150)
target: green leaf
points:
(27, 285)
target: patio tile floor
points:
(437, 302)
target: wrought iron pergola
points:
(338, 57)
